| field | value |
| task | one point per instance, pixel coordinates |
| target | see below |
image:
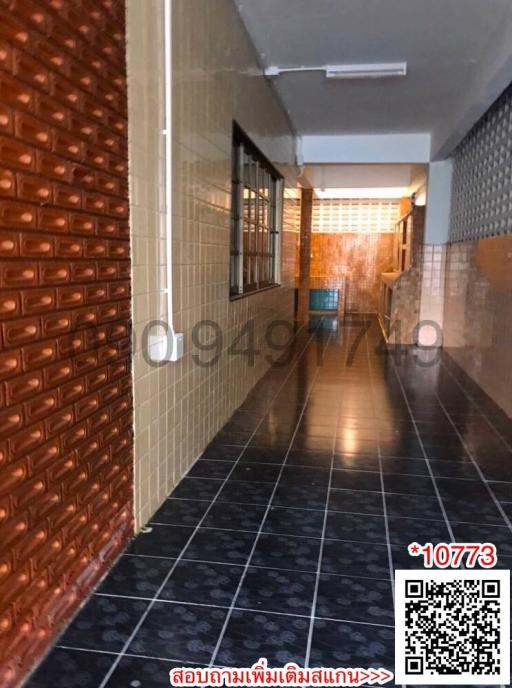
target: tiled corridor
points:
(282, 539)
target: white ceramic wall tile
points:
(432, 296)
(180, 406)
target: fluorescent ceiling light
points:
(380, 192)
(366, 71)
(347, 71)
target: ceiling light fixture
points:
(366, 71)
(347, 71)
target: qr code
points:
(452, 627)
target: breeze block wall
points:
(478, 289)
(65, 390)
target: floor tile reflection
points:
(282, 539)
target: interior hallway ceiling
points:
(458, 54)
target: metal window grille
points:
(257, 208)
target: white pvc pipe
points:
(168, 161)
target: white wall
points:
(371, 148)
(437, 229)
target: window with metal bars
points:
(257, 207)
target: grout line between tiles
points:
(253, 566)
(382, 484)
(127, 654)
(290, 535)
(319, 568)
(236, 608)
(348, 470)
(341, 511)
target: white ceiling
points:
(358, 181)
(362, 176)
(459, 56)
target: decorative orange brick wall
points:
(360, 257)
(65, 386)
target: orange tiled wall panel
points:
(65, 386)
(359, 257)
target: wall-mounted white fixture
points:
(377, 70)
(273, 71)
(299, 156)
(169, 345)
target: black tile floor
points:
(283, 538)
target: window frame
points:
(247, 259)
